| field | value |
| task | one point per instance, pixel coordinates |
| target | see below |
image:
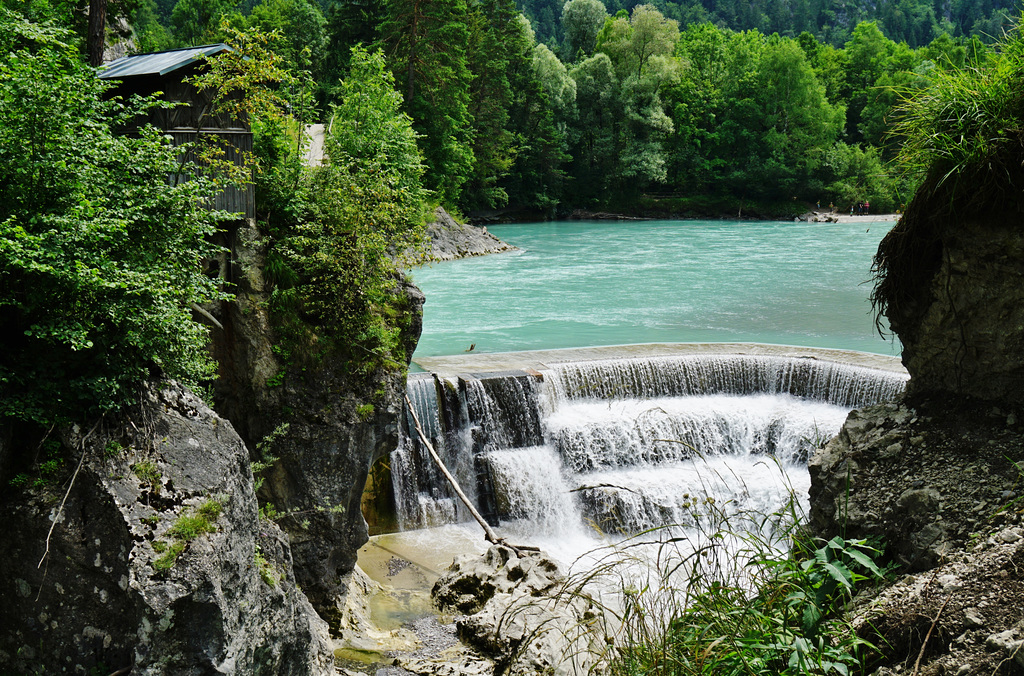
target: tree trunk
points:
(97, 36)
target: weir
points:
(618, 440)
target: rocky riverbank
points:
(450, 240)
(939, 485)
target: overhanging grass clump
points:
(964, 135)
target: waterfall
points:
(619, 446)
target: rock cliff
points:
(935, 474)
(339, 422)
(156, 560)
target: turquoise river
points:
(582, 283)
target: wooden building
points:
(167, 72)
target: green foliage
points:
(266, 459)
(299, 28)
(740, 604)
(170, 554)
(499, 56)
(150, 34)
(188, 527)
(581, 21)
(266, 569)
(426, 43)
(198, 22)
(365, 411)
(147, 471)
(356, 213)
(967, 127)
(100, 257)
(916, 22)
(494, 134)
(756, 120)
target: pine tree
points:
(426, 43)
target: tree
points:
(868, 53)
(640, 49)
(370, 135)
(595, 141)
(359, 210)
(349, 23)
(581, 21)
(100, 256)
(499, 53)
(632, 43)
(197, 22)
(301, 30)
(753, 120)
(426, 43)
(97, 34)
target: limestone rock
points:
(227, 604)
(971, 605)
(522, 614)
(338, 425)
(947, 479)
(450, 240)
(970, 339)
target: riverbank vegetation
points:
(669, 108)
(733, 592)
(754, 597)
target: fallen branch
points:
(210, 318)
(60, 510)
(489, 533)
(917, 664)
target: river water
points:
(582, 283)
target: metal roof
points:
(158, 63)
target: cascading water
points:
(614, 447)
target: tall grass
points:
(743, 593)
(969, 123)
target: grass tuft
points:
(186, 528)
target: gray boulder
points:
(522, 614)
(157, 559)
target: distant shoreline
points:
(857, 218)
(813, 216)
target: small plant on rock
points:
(148, 472)
(186, 528)
(266, 568)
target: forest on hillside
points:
(700, 107)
